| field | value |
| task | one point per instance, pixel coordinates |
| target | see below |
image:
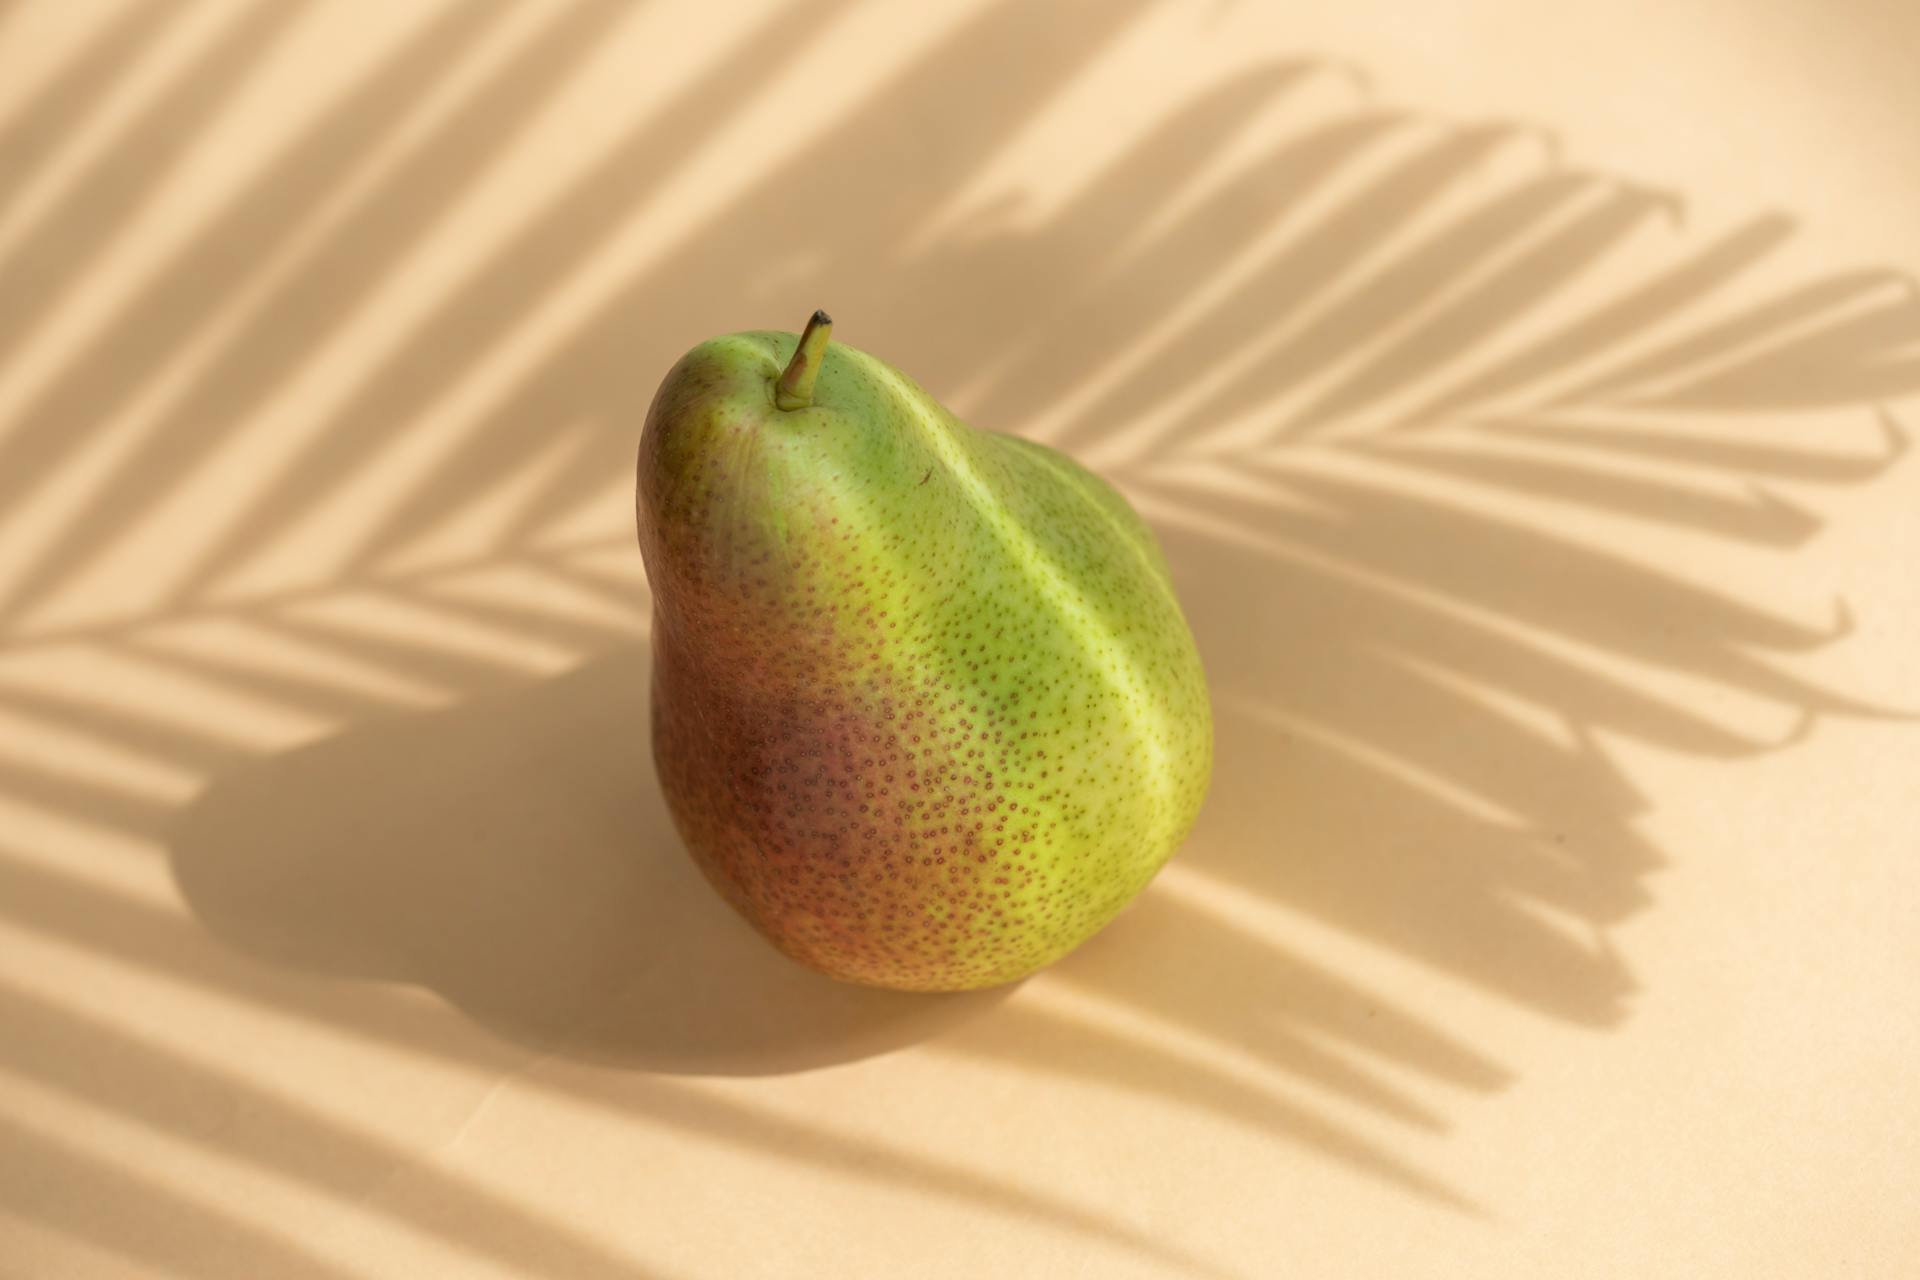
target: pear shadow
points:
(513, 855)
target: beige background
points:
(1517, 388)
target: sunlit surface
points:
(1519, 393)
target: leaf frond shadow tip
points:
(1894, 433)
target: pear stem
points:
(795, 388)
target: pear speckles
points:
(926, 711)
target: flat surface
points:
(1518, 391)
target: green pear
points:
(925, 708)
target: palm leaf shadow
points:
(51, 253)
(61, 107)
(329, 285)
(1367, 636)
(1356, 609)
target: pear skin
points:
(926, 709)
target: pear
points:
(926, 710)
